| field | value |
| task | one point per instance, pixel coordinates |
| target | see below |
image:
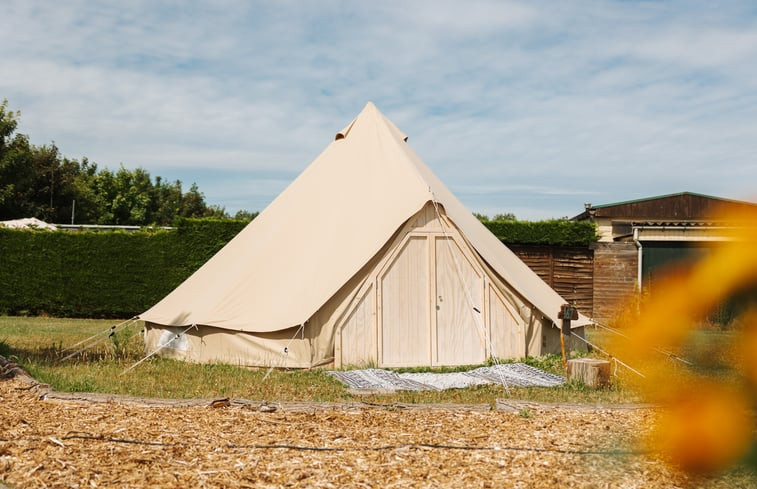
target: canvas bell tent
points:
(365, 259)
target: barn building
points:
(639, 239)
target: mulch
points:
(50, 439)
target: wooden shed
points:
(641, 238)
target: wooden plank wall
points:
(614, 277)
(597, 279)
(567, 269)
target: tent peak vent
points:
(370, 111)
(343, 133)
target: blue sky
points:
(525, 107)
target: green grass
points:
(37, 343)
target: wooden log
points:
(592, 372)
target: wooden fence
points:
(567, 269)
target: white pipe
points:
(638, 259)
(682, 228)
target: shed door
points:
(460, 333)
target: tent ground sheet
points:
(512, 374)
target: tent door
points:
(403, 296)
(430, 297)
(461, 336)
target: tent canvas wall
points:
(366, 258)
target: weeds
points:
(525, 413)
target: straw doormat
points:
(69, 443)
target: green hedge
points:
(118, 274)
(552, 232)
(102, 274)
(202, 238)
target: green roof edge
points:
(634, 201)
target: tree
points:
(245, 215)
(8, 123)
(216, 212)
(193, 205)
(131, 202)
(509, 216)
(86, 209)
(16, 173)
(167, 201)
(36, 181)
(49, 180)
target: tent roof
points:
(328, 223)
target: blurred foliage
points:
(708, 424)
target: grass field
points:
(38, 343)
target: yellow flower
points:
(746, 347)
(704, 428)
(706, 425)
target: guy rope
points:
(98, 338)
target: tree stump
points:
(592, 372)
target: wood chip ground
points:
(76, 444)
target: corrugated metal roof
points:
(667, 196)
(679, 207)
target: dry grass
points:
(69, 444)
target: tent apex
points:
(370, 111)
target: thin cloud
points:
(517, 106)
